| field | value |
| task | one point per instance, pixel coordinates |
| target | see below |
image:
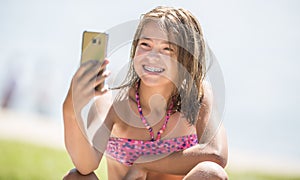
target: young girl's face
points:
(155, 59)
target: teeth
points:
(153, 69)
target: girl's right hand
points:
(86, 78)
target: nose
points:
(153, 56)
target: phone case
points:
(94, 46)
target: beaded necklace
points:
(150, 129)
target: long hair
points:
(185, 32)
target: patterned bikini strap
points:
(147, 125)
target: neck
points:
(155, 98)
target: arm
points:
(182, 162)
(84, 156)
(212, 144)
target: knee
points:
(207, 170)
(74, 174)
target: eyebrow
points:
(147, 38)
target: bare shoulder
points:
(206, 103)
(104, 101)
(205, 110)
(122, 106)
(207, 95)
(209, 121)
(100, 108)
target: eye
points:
(168, 50)
(145, 45)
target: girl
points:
(155, 127)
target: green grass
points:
(19, 160)
(259, 176)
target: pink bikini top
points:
(127, 151)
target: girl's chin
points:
(155, 80)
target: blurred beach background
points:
(257, 45)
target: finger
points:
(106, 61)
(95, 81)
(103, 66)
(104, 90)
(85, 66)
(95, 71)
(100, 79)
(91, 74)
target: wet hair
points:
(183, 30)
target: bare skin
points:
(121, 119)
(177, 127)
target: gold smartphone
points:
(94, 47)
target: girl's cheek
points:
(139, 52)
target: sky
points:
(256, 44)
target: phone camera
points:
(94, 41)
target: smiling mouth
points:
(153, 69)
